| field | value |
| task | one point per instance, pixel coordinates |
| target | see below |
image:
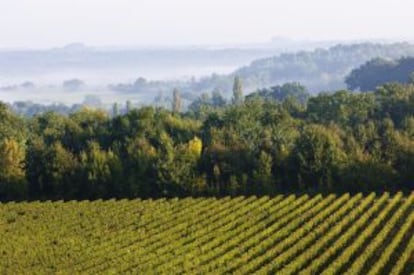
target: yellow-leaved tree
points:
(195, 147)
(12, 172)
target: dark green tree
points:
(318, 156)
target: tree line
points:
(263, 144)
(379, 71)
(319, 70)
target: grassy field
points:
(332, 234)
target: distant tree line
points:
(278, 140)
(379, 71)
(283, 92)
(319, 70)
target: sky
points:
(53, 23)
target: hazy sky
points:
(49, 23)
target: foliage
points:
(318, 156)
(281, 93)
(339, 142)
(237, 91)
(378, 71)
(12, 170)
(176, 104)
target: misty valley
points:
(64, 79)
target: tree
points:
(177, 166)
(176, 104)
(282, 93)
(86, 125)
(237, 91)
(318, 155)
(202, 101)
(217, 99)
(411, 77)
(404, 161)
(51, 169)
(262, 175)
(101, 171)
(140, 173)
(379, 71)
(128, 106)
(12, 171)
(115, 109)
(205, 103)
(11, 125)
(342, 107)
(58, 171)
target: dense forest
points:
(262, 144)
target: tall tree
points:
(128, 106)
(115, 110)
(237, 91)
(176, 104)
(12, 172)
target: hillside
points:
(319, 70)
(379, 71)
(144, 75)
(282, 234)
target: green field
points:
(332, 234)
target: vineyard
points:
(285, 234)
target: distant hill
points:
(145, 73)
(379, 71)
(318, 70)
